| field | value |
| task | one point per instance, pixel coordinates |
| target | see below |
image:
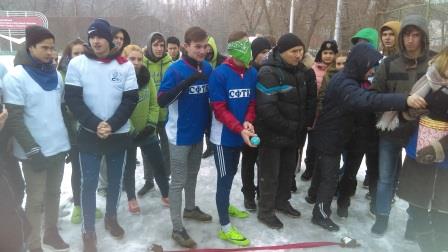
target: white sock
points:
(226, 228)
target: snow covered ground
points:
(153, 225)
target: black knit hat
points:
(326, 45)
(258, 45)
(35, 34)
(101, 28)
(288, 41)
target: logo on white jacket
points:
(239, 93)
(198, 89)
(116, 77)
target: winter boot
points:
(287, 209)
(111, 224)
(183, 239)
(310, 199)
(380, 226)
(53, 241)
(147, 187)
(342, 212)
(249, 204)
(197, 214)
(325, 223)
(307, 175)
(271, 221)
(89, 240)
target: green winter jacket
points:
(369, 34)
(157, 71)
(147, 110)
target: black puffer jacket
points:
(345, 97)
(281, 102)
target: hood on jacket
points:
(419, 22)
(127, 38)
(362, 57)
(149, 53)
(22, 57)
(395, 27)
(212, 44)
(369, 34)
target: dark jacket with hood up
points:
(398, 73)
(282, 102)
(345, 96)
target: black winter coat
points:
(283, 103)
(345, 96)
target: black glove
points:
(147, 131)
(195, 77)
(426, 155)
(37, 161)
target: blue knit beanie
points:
(101, 28)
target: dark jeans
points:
(76, 176)
(389, 170)
(310, 159)
(165, 154)
(13, 172)
(352, 162)
(248, 161)
(151, 154)
(325, 178)
(90, 169)
(277, 167)
(226, 160)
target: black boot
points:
(53, 241)
(146, 188)
(342, 212)
(310, 199)
(89, 240)
(207, 153)
(307, 175)
(325, 223)
(287, 209)
(294, 185)
(111, 224)
(380, 225)
(249, 204)
(271, 221)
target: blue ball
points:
(255, 140)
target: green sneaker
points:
(234, 236)
(98, 214)
(76, 215)
(235, 212)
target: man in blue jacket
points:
(184, 90)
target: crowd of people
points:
(107, 97)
